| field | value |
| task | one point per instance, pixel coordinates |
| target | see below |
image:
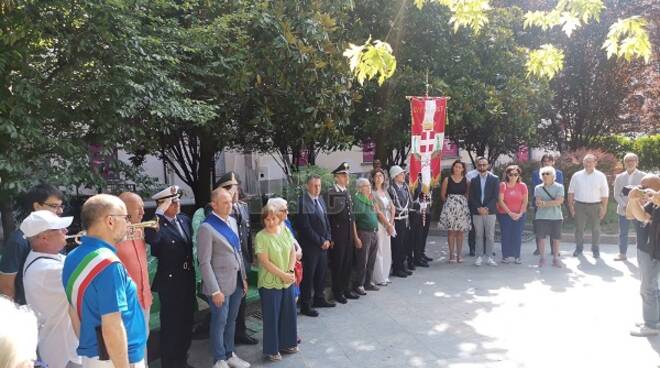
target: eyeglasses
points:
(126, 217)
(54, 206)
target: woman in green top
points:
(548, 218)
(277, 257)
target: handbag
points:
(298, 272)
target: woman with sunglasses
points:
(548, 218)
(512, 208)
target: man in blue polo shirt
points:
(112, 327)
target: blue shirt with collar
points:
(110, 291)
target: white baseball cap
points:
(40, 221)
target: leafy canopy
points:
(628, 38)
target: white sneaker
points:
(236, 362)
(478, 261)
(491, 262)
(644, 332)
(220, 364)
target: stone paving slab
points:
(462, 316)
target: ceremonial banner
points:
(429, 115)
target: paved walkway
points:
(464, 316)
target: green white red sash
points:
(91, 265)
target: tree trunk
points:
(7, 213)
(207, 150)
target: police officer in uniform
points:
(402, 200)
(241, 213)
(174, 281)
(419, 227)
(344, 235)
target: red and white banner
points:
(429, 115)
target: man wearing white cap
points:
(402, 201)
(44, 292)
(174, 281)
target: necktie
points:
(178, 226)
(318, 205)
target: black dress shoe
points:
(322, 303)
(411, 266)
(245, 340)
(351, 295)
(427, 258)
(309, 311)
(341, 299)
(421, 263)
(401, 274)
(408, 272)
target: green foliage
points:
(471, 14)
(569, 14)
(628, 38)
(545, 62)
(370, 60)
(646, 147)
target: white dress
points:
(384, 255)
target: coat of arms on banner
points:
(427, 134)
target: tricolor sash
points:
(224, 230)
(91, 265)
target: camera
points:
(626, 190)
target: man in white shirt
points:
(628, 178)
(588, 193)
(44, 292)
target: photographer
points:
(644, 206)
(630, 177)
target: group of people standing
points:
(474, 201)
(93, 304)
(365, 237)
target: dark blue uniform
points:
(175, 284)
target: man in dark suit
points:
(484, 192)
(174, 281)
(344, 235)
(314, 236)
(401, 242)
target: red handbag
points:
(298, 271)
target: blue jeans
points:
(624, 225)
(649, 270)
(278, 307)
(223, 324)
(511, 235)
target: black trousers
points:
(400, 244)
(315, 263)
(341, 259)
(418, 234)
(241, 327)
(177, 307)
(471, 237)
